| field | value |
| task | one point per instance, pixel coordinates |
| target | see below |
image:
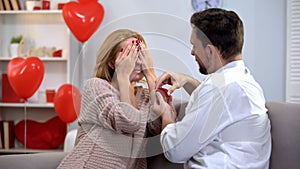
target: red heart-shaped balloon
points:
(25, 75)
(41, 135)
(67, 102)
(83, 18)
(86, 1)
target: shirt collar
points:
(233, 64)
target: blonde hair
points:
(109, 50)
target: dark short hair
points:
(223, 28)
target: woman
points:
(114, 112)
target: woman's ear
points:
(111, 64)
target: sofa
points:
(285, 121)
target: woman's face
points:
(137, 73)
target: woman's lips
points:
(137, 70)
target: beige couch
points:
(285, 121)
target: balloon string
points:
(81, 65)
(25, 127)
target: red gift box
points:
(8, 94)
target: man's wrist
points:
(167, 119)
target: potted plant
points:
(14, 45)
(16, 39)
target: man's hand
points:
(177, 80)
(162, 108)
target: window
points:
(293, 52)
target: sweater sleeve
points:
(101, 105)
(154, 123)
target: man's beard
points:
(202, 69)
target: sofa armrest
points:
(285, 131)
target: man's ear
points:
(211, 50)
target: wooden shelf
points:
(32, 12)
(28, 105)
(23, 150)
(40, 28)
(7, 59)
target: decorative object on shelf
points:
(7, 134)
(37, 39)
(15, 5)
(67, 102)
(16, 39)
(200, 5)
(8, 93)
(1, 135)
(46, 4)
(31, 51)
(7, 5)
(14, 46)
(57, 53)
(1, 6)
(36, 8)
(41, 135)
(84, 15)
(31, 4)
(50, 94)
(60, 6)
(25, 75)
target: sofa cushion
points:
(285, 122)
(160, 162)
(48, 160)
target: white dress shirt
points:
(225, 124)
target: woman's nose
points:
(138, 61)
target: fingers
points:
(157, 101)
(144, 55)
(159, 97)
(130, 52)
(162, 80)
(174, 114)
(156, 98)
(172, 89)
(143, 50)
(129, 48)
(153, 97)
(134, 54)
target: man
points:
(225, 123)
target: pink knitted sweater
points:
(111, 134)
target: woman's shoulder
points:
(96, 82)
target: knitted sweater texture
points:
(111, 133)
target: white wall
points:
(265, 42)
(165, 25)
